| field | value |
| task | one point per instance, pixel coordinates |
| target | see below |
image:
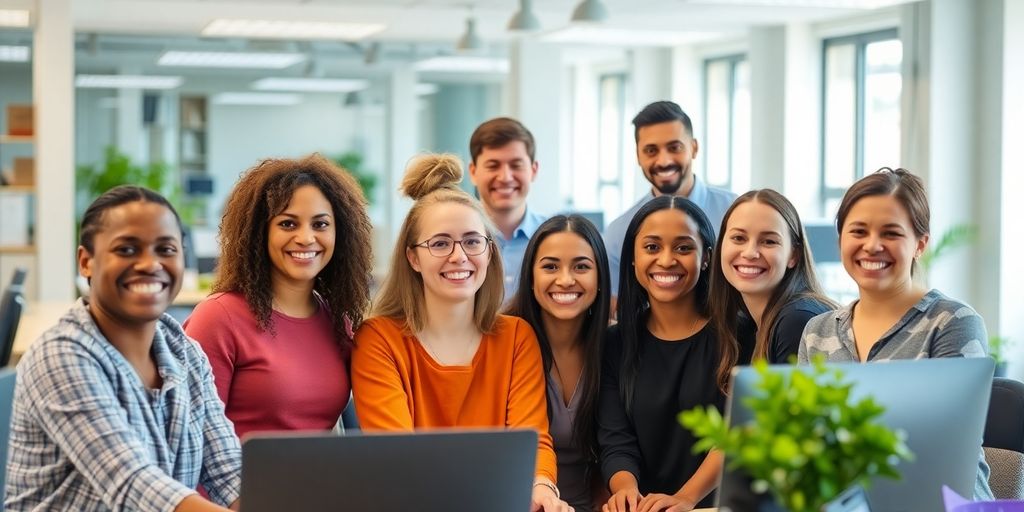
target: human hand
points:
(623, 501)
(668, 502)
(544, 499)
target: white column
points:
(1011, 294)
(651, 72)
(400, 133)
(802, 120)
(53, 95)
(767, 106)
(129, 132)
(534, 98)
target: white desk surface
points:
(40, 316)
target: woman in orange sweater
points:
(436, 352)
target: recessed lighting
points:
(230, 59)
(310, 84)
(256, 98)
(463, 64)
(14, 18)
(14, 53)
(278, 29)
(601, 35)
(127, 82)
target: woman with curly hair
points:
(292, 280)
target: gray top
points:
(937, 326)
(572, 466)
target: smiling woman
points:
(436, 352)
(103, 397)
(277, 329)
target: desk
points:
(40, 316)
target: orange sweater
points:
(399, 386)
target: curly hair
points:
(262, 193)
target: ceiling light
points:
(14, 53)
(128, 82)
(470, 41)
(524, 20)
(14, 18)
(602, 35)
(230, 59)
(463, 64)
(256, 98)
(301, 30)
(590, 11)
(310, 84)
(825, 4)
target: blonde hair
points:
(432, 179)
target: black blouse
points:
(649, 442)
(789, 328)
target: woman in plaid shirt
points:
(115, 407)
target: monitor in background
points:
(940, 403)
(7, 377)
(823, 240)
(439, 471)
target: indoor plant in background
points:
(352, 162)
(808, 441)
(997, 347)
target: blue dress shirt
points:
(513, 249)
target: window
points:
(608, 190)
(726, 143)
(861, 110)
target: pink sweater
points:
(297, 380)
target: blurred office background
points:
(804, 96)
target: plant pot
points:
(1001, 369)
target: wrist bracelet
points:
(550, 486)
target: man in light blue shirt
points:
(665, 149)
(502, 168)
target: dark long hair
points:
(262, 193)
(524, 305)
(633, 300)
(797, 283)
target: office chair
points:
(11, 306)
(1004, 439)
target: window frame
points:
(860, 42)
(619, 182)
(733, 59)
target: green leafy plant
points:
(959, 235)
(352, 162)
(118, 169)
(997, 347)
(807, 441)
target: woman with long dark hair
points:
(659, 360)
(564, 295)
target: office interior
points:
(795, 95)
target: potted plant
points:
(352, 162)
(997, 346)
(807, 442)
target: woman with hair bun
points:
(436, 353)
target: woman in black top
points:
(660, 360)
(763, 287)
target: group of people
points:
(490, 315)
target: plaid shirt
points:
(86, 434)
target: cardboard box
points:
(20, 120)
(24, 171)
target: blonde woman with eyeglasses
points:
(436, 353)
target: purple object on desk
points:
(956, 503)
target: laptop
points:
(441, 470)
(940, 403)
(7, 377)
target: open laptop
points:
(940, 403)
(442, 470)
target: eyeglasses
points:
(443, 246)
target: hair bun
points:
(429, 172)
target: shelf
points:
(17, 249)
(27, 189)
(17, 139)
